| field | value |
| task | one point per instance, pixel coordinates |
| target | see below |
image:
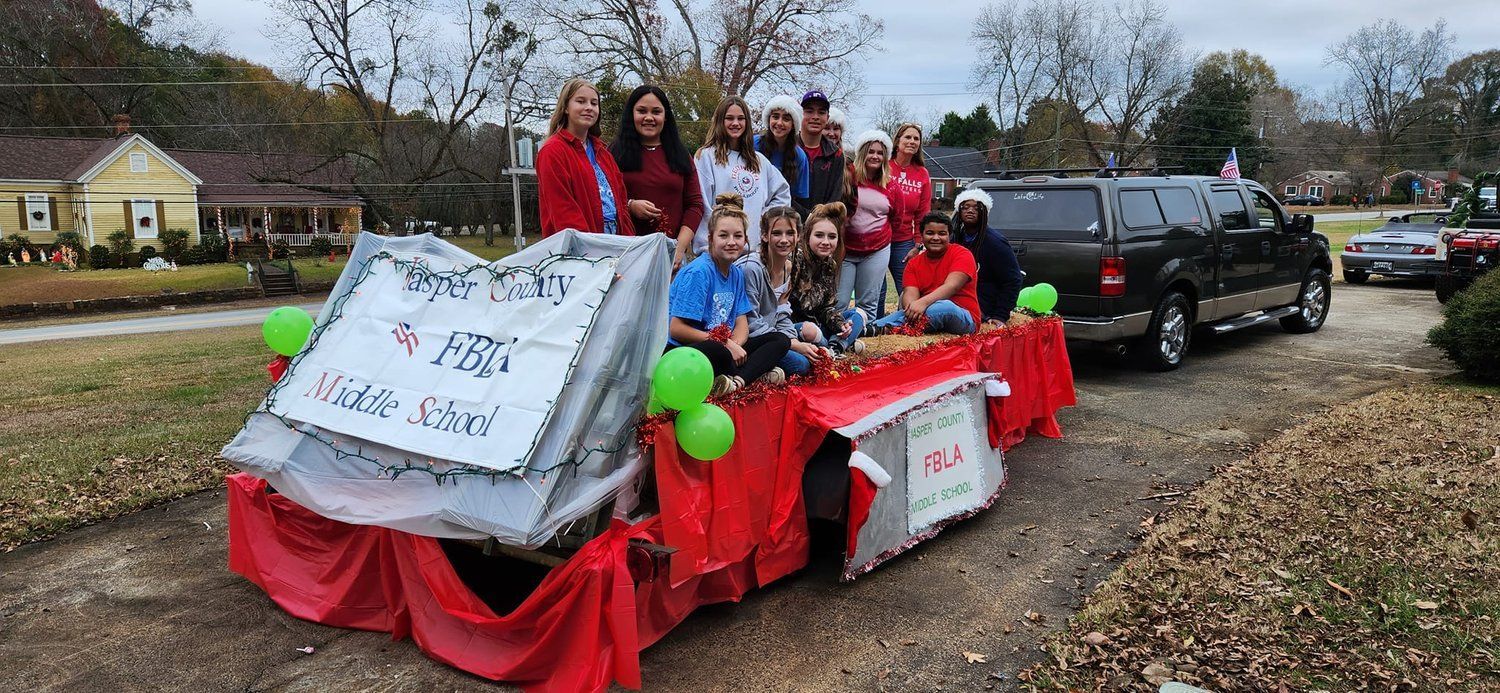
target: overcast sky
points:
(925, 58)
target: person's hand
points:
(811, 351)
(678, 256)
(643, 209)
(916, 309)
(848, 326)
(737, 351)
(914, 252)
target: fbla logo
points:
(406, 337)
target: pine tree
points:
(1213, 115)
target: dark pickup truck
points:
(1141, 261)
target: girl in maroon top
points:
(659, 174)
(578, 185)
(911, 199)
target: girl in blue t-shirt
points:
(709, 292)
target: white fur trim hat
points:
(836, 116)
(975, 194)
(869, 136)
(782, 103)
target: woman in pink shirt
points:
(867, 242)
(911, 199)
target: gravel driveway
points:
(146, 602)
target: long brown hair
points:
(916, 159)
(559, 118)
(768, 218)
(861, 177)
(718, 136)
(838, 215)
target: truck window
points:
(1138, 209)
(1180, 206)
(1266, 211)
(1055, 214)
(1231, 209)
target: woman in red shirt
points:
(659, 173)
(911, 198)
(578, 185)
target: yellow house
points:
(94, 186)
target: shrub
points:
(98, 257)
(121, 245)
(72, 240)
(210, 248)
(1470, 331)
(13, 244)
(319, 246)
(147, 252)
(280, 250)
(174, 242)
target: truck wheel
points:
(1356, 277)
(1312, 304)
(1447, 285)
(1167, 338)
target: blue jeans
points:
(795, 364)
(943, 316)
(897, 265)
(857, 325)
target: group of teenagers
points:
(775, 231)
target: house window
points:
(138, 162)
(1316, 191)
(38, 212)
(940, 189)
(1291, 190)
(143, 218)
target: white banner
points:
(448, 362)
(943, 474)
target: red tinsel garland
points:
(912, 328)
(825, 371)
(721, 334)
(661, 226)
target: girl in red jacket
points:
(911, 199)
(578, 185)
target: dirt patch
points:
(1357, 550)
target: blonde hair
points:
(718, 137)
(728, 206)
(916, 158)
(559, 118)
(833, 212)
(861, 176)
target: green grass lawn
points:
(1338, 232)
(106, 426)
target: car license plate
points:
(1377, 266)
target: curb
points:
(127, 303)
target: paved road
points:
(164, 323)
(145, 602)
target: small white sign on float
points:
(943, 472)
(447, 362)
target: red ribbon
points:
(277, 367)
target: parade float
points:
(495, 459)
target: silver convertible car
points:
(1406, 246)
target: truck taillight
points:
(1111, 276)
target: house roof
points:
(270, 179)
(954, 162)
(1440, 176)
(1335, 177)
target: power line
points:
(25, 85)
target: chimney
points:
(992, 152)
(122, 124)
(1452, 176)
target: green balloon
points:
(286, 329)
(705, 432)
(682, 378)
(1043, 297)
(1023, 299)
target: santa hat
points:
(783, 103)
(975, 194)
(869, 136)
(836, 116)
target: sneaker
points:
(858, 347)
(723, 385)
(870, 330)
(775, 376)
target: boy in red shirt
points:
(939, 284)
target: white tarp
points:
(446, 359)
(583, 456)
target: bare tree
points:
(1387, 68)
(745, 45)
(1012, 37)
(1144, 66)
(388, 60)
(889, 114)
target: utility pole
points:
(515, 173)
(1056, 135)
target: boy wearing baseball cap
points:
(826, 177)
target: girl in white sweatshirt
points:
(728, 163)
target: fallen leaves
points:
(975, 658)
(1425, 605)
(1341, 589)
